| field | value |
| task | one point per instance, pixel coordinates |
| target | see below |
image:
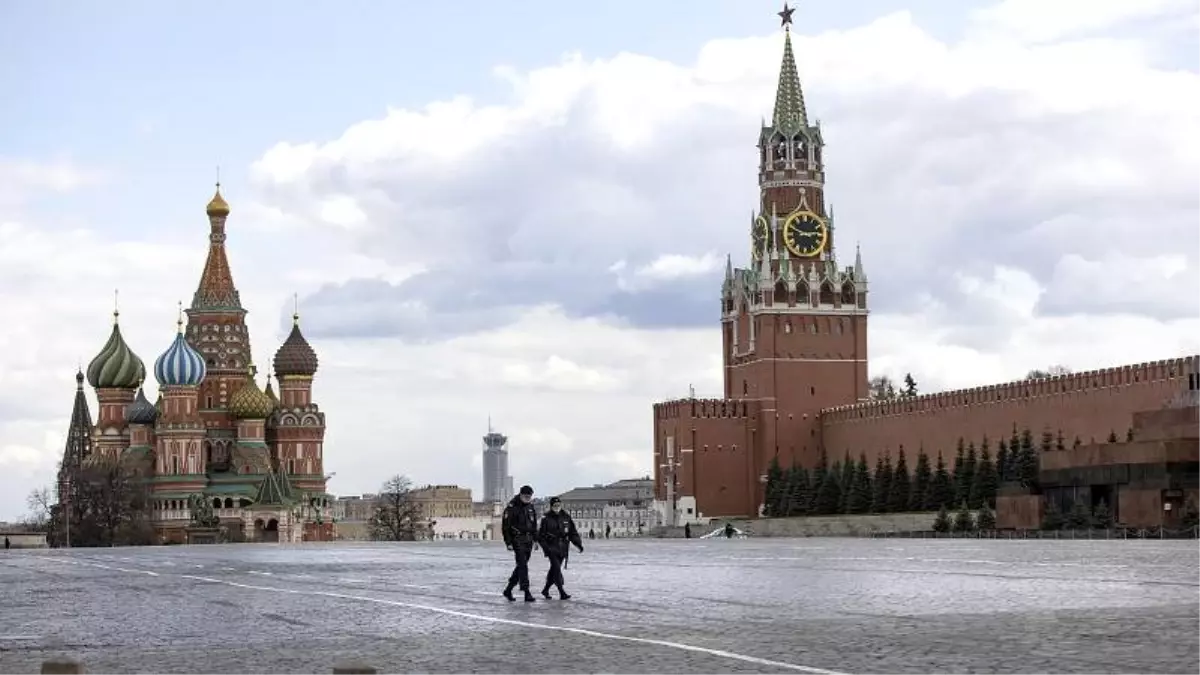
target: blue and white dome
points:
(180, 365)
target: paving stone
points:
(669, 606)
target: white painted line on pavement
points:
(510, 622)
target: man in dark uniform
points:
(556, 535)
(519, 525)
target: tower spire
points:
(790, 114)
(216, 290)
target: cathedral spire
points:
(216, 291)
(790, 115)
(79, 436)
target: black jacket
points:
(519, 522)
(557, 533)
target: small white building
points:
(473, 528)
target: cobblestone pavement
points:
(752, 605)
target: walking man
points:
(519, 525)
(556, 534)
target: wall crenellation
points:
(703, 407)
(1058, 385)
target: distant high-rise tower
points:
(497, 484)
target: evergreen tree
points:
(987, 482)
(910, 386)
(901, 488)
(942, 522)
(829, 497)
(922, 476)
(1079, 517)
(941, 490)
(882, 483)
(969, 472)
(1013, 472)
(1052, 519)
(800, 492)
(774, 500)
(963, 520)
(1058, 442)
(956, 473)
(1112, 437)
(1129, 435)
(1028, 462)
(819, 474)
(1002, 462)
(1102, 517)
(860, 491)
(986, 520)
(846, 482)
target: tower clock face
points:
(758, 237)
(805, 234)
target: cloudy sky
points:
(525, 212)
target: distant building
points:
(443, 501)
(497, 484)
(626, 507)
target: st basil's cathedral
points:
(214, 442)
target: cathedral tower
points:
(115, 373)
(297, 427)
(217, 326)
(794, 323)
(180, 432)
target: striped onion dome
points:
(249, 402)
(116, 366)
(180, 365)
(141, 411)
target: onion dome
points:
(295, 356)
(180, 365)
(249, 402)
(217, 207)
(141, 411)
(116, 366)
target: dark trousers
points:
(554, 577)
(520, 574)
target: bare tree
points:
(1052, 371)
(41, 508)
(881, 388)
(397, 517)
(106, 505)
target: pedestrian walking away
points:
(557, 534)
(519, 526)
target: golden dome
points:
(218, 206)
(249, 402)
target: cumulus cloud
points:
(554, 257)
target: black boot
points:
(529, 596)
(562, 594)
(508, 593)
(546, 592)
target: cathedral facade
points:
(794, 348)
(215, 448)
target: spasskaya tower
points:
(794, 329)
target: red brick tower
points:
(794, 323)
(217, 330)
(296, 430)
